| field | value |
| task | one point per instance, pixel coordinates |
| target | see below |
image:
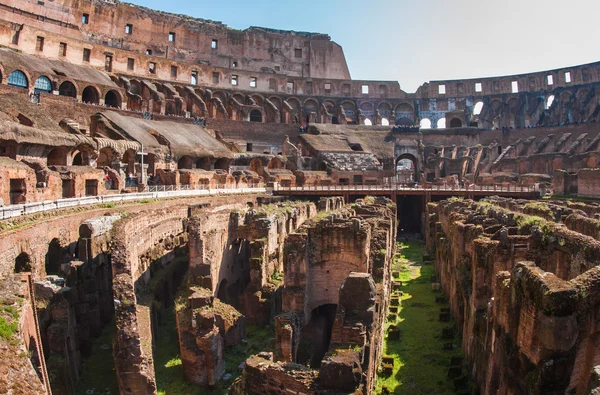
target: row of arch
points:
(43, 84)
(441, 123)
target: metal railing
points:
(405, 187)
(155, 192)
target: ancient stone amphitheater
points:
(187, 208)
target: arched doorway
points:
(406, 168)
(255, 116)
(23, 263)
(53, 257)
(404, 122)
(441, 123)
(90, 95)
(455, 123)
(185, 162)
(67, 89)
(321, 324)
(57, 157)
(222, 164)
(42, 85)
(18, 79)
(203, 163)
(478, 107)
(112, 99)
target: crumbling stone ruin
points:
(521, 278)
(156, 167)
(335, 297)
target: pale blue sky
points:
(415, 41)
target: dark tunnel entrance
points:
(410, 209)
(322, 319)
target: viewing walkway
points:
(156, 192)
(515, 191)
(172, 191)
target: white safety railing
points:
(517, 189)
(17, 210)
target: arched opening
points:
(106, 157)
(53, 257)
(549, 102)
(22, 263)
(455, 123)
(185, 162)
(478, 107)
(425, 123)
(129, 157)
(18, 79)
(256, 166)
(203, 163)
(67, 89)
(385, 122)
(255, 116)
(406, 169)
(404, 122)
(368, 122)
(222, 164)
(42, 85)
(78, 159)
(335, 120)
(112, 99)
(57, 157)
(441, 123)
(321, 324)
(275, 163)
(90, 95)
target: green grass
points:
(420, 363)
(98, 370)
(167, 362)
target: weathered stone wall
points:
(518, 290)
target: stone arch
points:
(185, 162)
(275, 163)
(456, 123)
(83, 155)
(256, 166)
(129, 158)
(135, 87)
(258, 99)
(42, 85)
(203, 163)
(23, 263)
(18, 79)
(441, 123)
(57, 157)
(311, 106)
(112, 99)
(67, 88)
(222, 164)
(415, 163)
(350, 112)
(90, 95)
(256, 116)
(107, 156)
